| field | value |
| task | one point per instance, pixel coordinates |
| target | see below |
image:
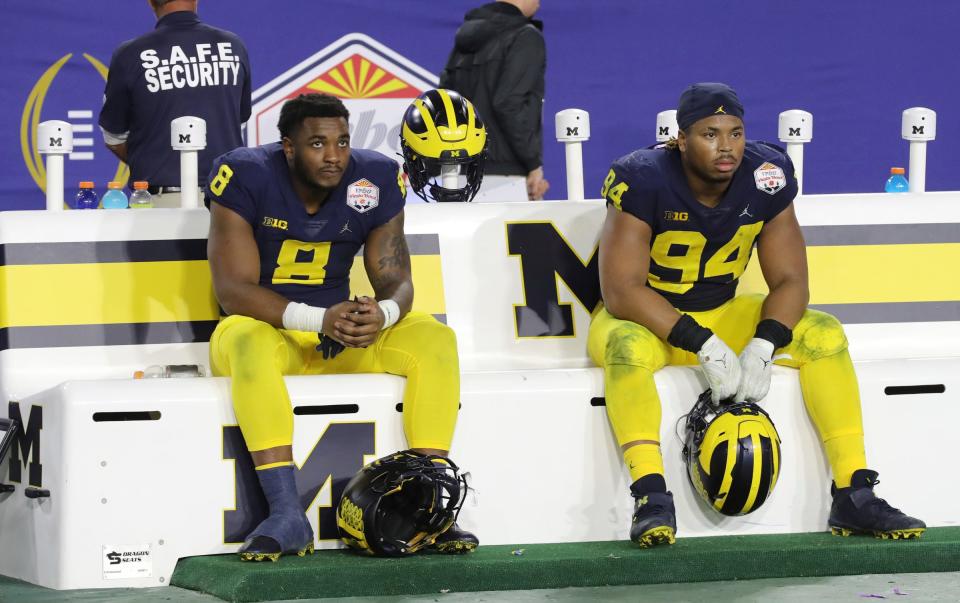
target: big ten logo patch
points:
(375, 83)
(71, 90)
(25, 451)
(335, 458)
(545, 255)
(274, 223)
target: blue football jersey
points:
(698, 253)
(306, 258)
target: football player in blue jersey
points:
(681, 224)
(286, 220)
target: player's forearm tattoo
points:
(397, 256)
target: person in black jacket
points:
(498, 62)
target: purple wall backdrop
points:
(854, 64)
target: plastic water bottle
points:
(141, 198)
(175, 371)
(897, 182)
(86, 198)
(115, 197)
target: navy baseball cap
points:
(706, 99)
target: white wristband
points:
(301, 317)
(391, 312)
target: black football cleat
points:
(857, 510)
(456, 540)
(654, 519)
(278, 535)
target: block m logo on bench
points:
(336, 457)
(25, 451)
(545, 255)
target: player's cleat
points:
(456, 540)
(654, 519)
(279, 534)
(286, 530)
(857, 510)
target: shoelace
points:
(880, 503)
(653, 507)
(883, 505)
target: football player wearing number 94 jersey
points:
(682, 221)
(286, 221)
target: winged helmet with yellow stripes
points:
(732, 454)
(442, 128)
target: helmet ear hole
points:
(442, 128)
(732, 453)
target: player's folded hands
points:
(721, 368)
(359, 328)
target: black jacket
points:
(498, 62)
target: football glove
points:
(756, 366)
(721, 368)
(329, 346)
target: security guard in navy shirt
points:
(183, 67)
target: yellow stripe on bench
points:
(852, 274)
(145, 292)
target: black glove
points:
(329, 346)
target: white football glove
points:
(756, 366)
(721, 368)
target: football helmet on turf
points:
(441, 128)
(400, 503)
(732, 454)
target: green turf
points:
(342, 573)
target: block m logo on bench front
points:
(545, 255)
(336, 457)
(25, 451)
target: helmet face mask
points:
(442, 129)
(400, 503)
(732, 453)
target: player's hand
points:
(756, 367)
(360, 328)
(335, 314)
(537, 185)
(721, 368)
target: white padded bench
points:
(542, 459)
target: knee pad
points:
(631, 344)
(425, 333)
(819, 335)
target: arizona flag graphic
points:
(375, 83)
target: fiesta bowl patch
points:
(364, 195)
(769, 178)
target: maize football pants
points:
(630, 353)
(256, 356)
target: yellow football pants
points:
(630, 353)
(256, 356)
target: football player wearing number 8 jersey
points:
(682, 221)
(286, 221)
